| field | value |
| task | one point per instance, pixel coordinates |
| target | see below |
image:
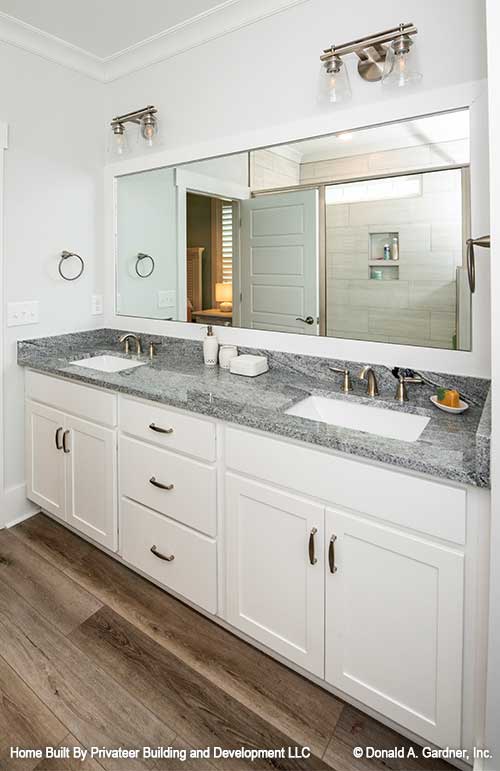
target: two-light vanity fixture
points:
(385, 56)
(147, 121)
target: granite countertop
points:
(454, 447)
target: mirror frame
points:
(472, 96)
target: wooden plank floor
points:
(91, 654)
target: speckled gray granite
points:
(455, 447)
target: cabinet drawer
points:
(185, 433)
(193, 570)
(192, 499)
(86, 402)
(429, 507)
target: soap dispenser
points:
(210, 348)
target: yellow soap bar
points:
(450, 398)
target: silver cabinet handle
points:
(307, 320)
(159, 430)
(153, 482)
(331, 554)
(161, 556)
(57, 438)
(65, 436)
(312, 551)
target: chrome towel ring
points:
(484, 241)
(65, 256)
(140, 257)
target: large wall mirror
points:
(359, 235)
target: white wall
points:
(266, 74)
(265, 97)
(493, 703)
(52, 201)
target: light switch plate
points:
(167, 298)
(21, 313)
(96, 305)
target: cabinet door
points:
(275, 570)
(44, 461)
(91, 481)
(394, 624)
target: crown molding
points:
(21, 35)
(224, 18)
(221, 20)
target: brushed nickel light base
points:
(371, 50)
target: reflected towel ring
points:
(471, 258)
(140, 257)
(65, 256)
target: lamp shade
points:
(224, 295)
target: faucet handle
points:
(401, 394)
(347, 383)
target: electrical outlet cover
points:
(21, 313)
(167, 298)
(97, 305)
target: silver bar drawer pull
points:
(161, 556)
(312, 553)
(160, 430)
(331, 554)
(153, 482)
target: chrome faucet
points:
(368, 374)
(126, 339)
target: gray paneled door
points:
(279, 262)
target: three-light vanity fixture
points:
(385, 56)
(146, 119)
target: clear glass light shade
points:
(399, 68)
(149, 130)
(119, 144)
(335, 87)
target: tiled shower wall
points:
(419, 307)
(372, 164)
(270, 169)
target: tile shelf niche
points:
(381, 269)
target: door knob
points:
(307, 320)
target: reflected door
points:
(279, 262)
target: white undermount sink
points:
(360, 417)
(108, 363)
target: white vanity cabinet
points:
(45, 461)
(368, 579)
(168, 498)
(71, 461)
(275, 570)
(390, 587)
(394, 624)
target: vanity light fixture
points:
(384, 56)
(146, 119)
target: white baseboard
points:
(15, 507)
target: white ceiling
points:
(431, 130)
(104, 28)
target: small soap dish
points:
(248, 365)
(457, 410)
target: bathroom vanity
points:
(205, 484)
